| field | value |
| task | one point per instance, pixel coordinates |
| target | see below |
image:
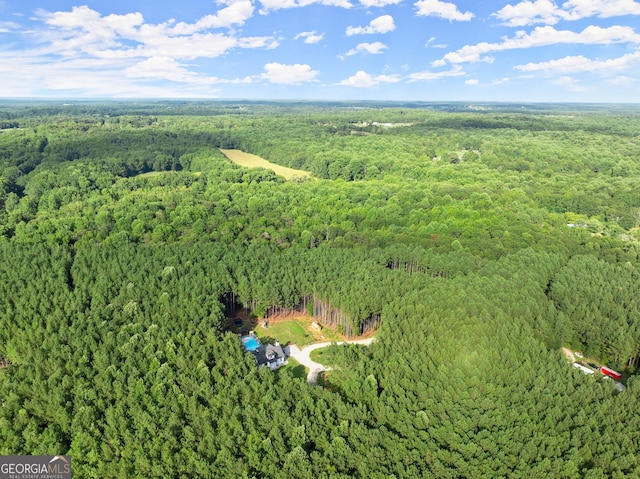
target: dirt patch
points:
(288, 316)
(240, 323)
(249, 322)
(325, 334)
(568, 354)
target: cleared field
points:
(287, 332)
(151, 174)
(248, 160)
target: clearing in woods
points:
(248, 160)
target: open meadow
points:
(248, 160)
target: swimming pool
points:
(250, 343)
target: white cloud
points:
(208, 45)
(85, 31)
(363, 79)
(430, 43)
(89, 77)
(622, 80)
(167, 69)
(568, 83)
(282, 4)
(379, 3)
(268, 43)
(445, 10)
(88, 20)
(530, 12)
(81, 52)
(310, 37)
(236, 13)
(431, 75)
(8, 27)
(372, 48)
(578, 9)
(383, 24)
(542, 36)
(472, 82)
(288, 74)
(580, 64)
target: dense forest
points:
(476, 240)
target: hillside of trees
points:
(476, 243)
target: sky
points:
(407, 50)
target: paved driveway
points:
(304, 358)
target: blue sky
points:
(414, 50)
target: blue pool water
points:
(250, 343)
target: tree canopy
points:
(476, 244)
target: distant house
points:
(271, 355)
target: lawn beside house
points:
(298, 331)
(296, 369)
(286, 332)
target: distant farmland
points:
(248, 160)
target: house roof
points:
(267, 353)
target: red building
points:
(610, 372)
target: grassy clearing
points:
(297, 330)
(325, 356)
(151, 174)
(291, 332)
(321, 334)
(296, 369)
(247, 160)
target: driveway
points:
(304, 358)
